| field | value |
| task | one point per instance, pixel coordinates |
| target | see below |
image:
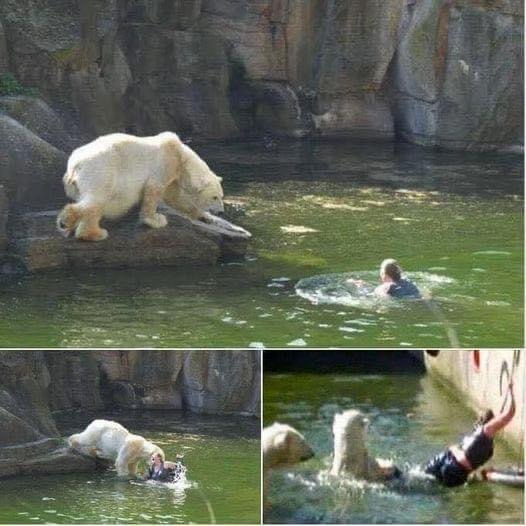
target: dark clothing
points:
(163, 475)
(166, 474)
(446, 469)
(403, 288)
(478, 447)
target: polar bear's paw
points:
(155, 221)
(93, 235)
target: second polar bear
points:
(115, 172)
(282, 446)
(350, 452)
(110, 440)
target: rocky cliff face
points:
(35, 384)
(436, 72)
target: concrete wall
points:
(481, 387)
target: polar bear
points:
(111, 441)
(282, 446)
(115, 172)
(350, 452)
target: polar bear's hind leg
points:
(148, 215)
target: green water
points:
(222, 455)
(411, 420)
(448, 215)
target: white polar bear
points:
(282, 446)
(109, 440)
(115, 172)
(350, 452)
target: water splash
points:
(356, 289)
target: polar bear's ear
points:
(219, 179)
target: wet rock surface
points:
(34, 385)
(39, 246)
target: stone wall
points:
(434, 72)
(484, 385)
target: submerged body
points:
(404, 288)
(166, 471)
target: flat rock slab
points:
(44, 457)
(37, 244)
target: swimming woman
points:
(452, 467)
(393, 284)
(164, 471)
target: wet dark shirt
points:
(478, 447)
(403, 288)
(163, 475)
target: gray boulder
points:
(38, 117)
(31, 169)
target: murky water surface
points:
(454, 218)
(222, 456)
(411, 420)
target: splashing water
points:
(412, 419)
(356, 289)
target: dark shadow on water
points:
(351, 361)
(378, 164)
(166, 421)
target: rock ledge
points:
(38, 246)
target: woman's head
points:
(390, 269)
(156, 459)
(484, 417)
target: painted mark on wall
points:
(507, 375)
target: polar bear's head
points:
(198, 189)
(283, 445)
(73, 441)
(149, 450)
(350, 453)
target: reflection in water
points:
(412, 418)
(313, 208)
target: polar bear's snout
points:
(216, 206)
(62, 228)
(308, 454)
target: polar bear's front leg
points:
(122, 462)
(88, 228)
(132, 468)
(148, 214)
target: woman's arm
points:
(492, 427)
(383, 289)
